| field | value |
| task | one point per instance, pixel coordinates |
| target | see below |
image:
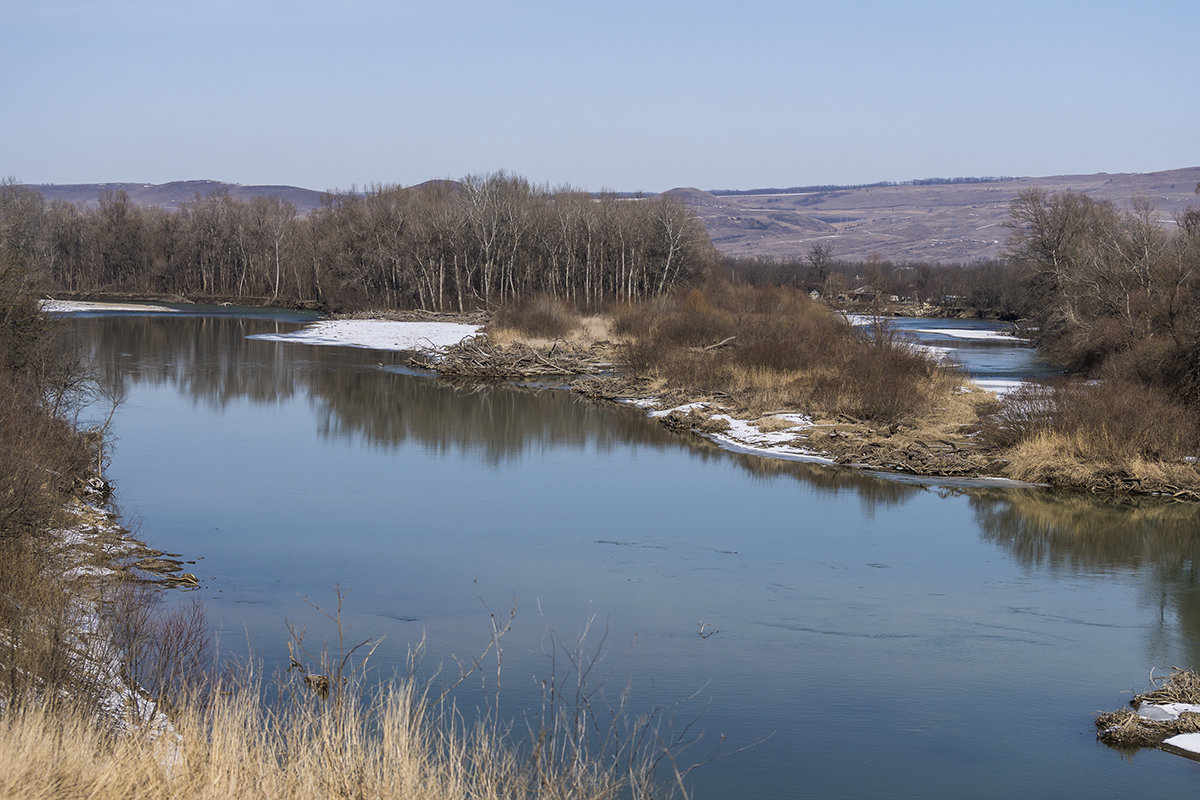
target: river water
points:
(875, 638)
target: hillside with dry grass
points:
(947, 223)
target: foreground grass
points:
(397, 746)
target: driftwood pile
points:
(478, 357)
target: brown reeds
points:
(539, 316)
(775, 347)
(1125, 727)
(1111, 435)
(394, 746)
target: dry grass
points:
(539, 317)
(397, 745)
(1125, 728)
(588, 331)
(1077, 460)
(775, 348)
(1112, 435)
(394, 747)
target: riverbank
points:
(963, 430)
(939, 438)
(933, 446)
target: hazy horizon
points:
(630, 97)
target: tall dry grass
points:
(774, 347)
(538, 316)
(1092, 434)
(397, 745)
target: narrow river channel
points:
(876, 638)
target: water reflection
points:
(1158, 540)
(873, 625)
(368, 395)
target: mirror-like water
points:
(892, 640)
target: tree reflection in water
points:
(369, 394)
(1078, 533)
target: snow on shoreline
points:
(970, 333)
(743, 436)
(861, 320)
(79, 306)
(377, 334)
(1001, 386)
(84, 549)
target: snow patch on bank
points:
(78, 306)
(683, 409)
(1189, 742)
(94, 653)
(1166, 712)
(939, 353)
(859, 320)
(377, 334)
(968, 333)
(743, 436)
(1000, 386)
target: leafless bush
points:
(165, 651)
(1114, 419)
(38, 629)
(777, 343)
(541, 316)
(1024, 412)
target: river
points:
(870, 638)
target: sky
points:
(631, 96)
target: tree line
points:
(440, 246)
(1111, 292)
(986, 288)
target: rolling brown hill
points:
(952, 222)
(174, 194)
(947, 222)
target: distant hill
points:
(174, 194)
(955, 220)
(958, 220)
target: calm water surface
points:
(892, 640)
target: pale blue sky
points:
(622, 95)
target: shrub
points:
(541, 316)
(1111, 421)
(787, 349)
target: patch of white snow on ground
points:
(1164, 712)
(683, 409)
(378, 334)
(940, 353)
(859, 320)
(1000, 386)
(1186, 741)
(93, 653)
(75, 306)
(745, 437)
(638, 402)
(967, 333)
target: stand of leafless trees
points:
(440, 246)
(984, 288)
(1112, 293)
